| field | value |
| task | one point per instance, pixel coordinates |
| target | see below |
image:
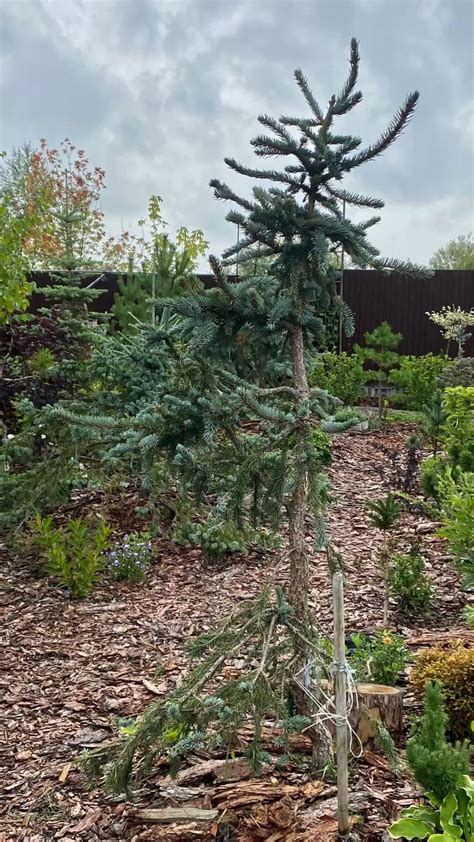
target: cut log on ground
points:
(376, 701)
(177, 814)
(219, 770)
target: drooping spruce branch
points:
(208, 709)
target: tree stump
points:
(380, 702)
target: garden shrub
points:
(342, 375)
(459, 373)
(434, 419)
(33, 351)
(432, 472)
(408, 581)
(459, 427)
(453, 666)
(380, 658)
(457, 519)
(419, 378)
(73, 553)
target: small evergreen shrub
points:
(74, 553)
(459, 373)
(342, 375)
(453, 665)
(436, 765)
(408, 581)
(418, 378)
(130, 558)
(380, 658)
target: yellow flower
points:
(387, 639)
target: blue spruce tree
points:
(294, 225)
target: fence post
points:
(340, 686)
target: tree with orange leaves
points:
(43, 182)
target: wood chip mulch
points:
(70, 670)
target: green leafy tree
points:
(15, 289)
(380, 351)
(296, 221)
(454, 324)
(457, 254)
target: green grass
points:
(410, 416)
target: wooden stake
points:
(340, 685)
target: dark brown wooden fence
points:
(403, 303)
(372, 296)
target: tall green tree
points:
(457, 254)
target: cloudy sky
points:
(158, 91)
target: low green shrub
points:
(347, 413)
(129, 558)
(74, 553)
(38, 466)
(380, 658)
(344, 419)
(409, 582)
(418, 378)
(341, 375)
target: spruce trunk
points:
(299, 564)
(299, 572)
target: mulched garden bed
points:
(71, 669)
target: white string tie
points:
(310, 680)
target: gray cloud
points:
(158, 91)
